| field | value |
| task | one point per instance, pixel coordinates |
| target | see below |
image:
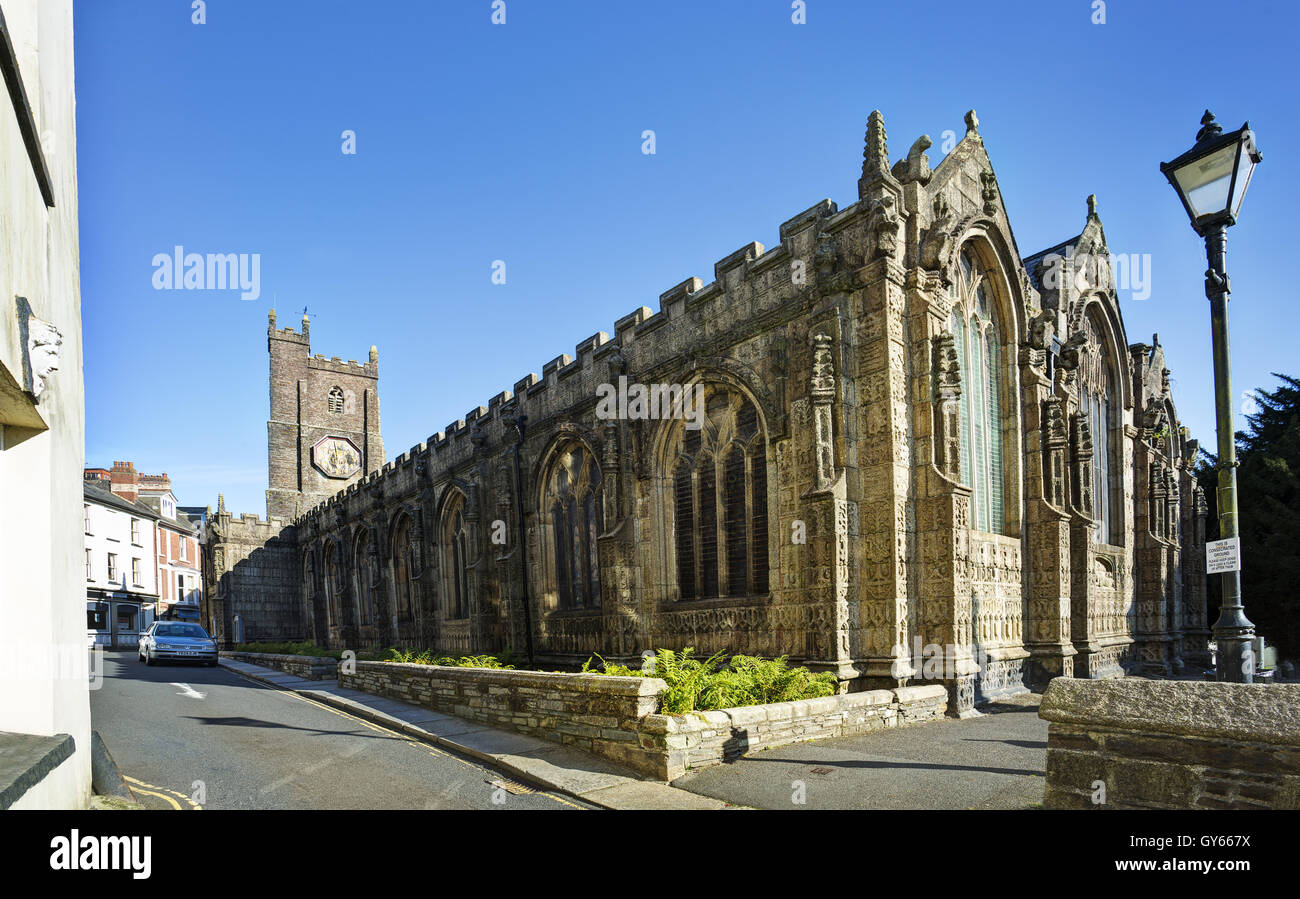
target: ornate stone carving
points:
(884, 225)
(1071, 352)
(875, 155)
(1083, 480)
(1054, 443)
(916, 167)
(947, 396)
(934, 246)
(823, 395)
(41, 349)
(611, 465)
(1042, 328)
(989, 192)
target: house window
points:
(135, 531)
(185, 553)
(86, 509)
(718, 496)
(90, 569)
(336, 400)
(456, 559)
(112, 566)
(573, 514)
(97, 619)
(135, 572)
(978, 340)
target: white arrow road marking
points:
(187, 690)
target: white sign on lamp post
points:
(1223, 556)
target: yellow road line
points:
(139, 787)
(165, 790)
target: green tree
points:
(1268, 507)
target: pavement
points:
(995, 761)
(550, 765)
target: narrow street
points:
(189, 737)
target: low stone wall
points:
(703, 739)
(309, 667)
(618, 717)
(594, 712)
(1172, 744)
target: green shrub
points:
(708, 684)
(289, 649)
(429, 657)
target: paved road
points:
(189, 736)
(996, 761)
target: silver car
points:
(177, 641)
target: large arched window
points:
(308, 587)
(363, 579)
(404, 569)
(979, 341)
(1097, 399)
(718, 488)
(332, 583)
(455, 543)
(573, 515)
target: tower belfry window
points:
(336, 400)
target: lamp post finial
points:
(1209, 127)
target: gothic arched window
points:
(1097, 392)
(336, 400)
(979, 341)
(333, 582)
(363, 579)
(404, 569)
(308, 586)
(573, 517)
(455, 542)
(717, 475)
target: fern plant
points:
(708, 684)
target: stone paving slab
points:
(996, 760)
(552, 766)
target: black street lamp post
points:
(1211, 179)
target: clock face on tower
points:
(336, 457)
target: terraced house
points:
(911, 435)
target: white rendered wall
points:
(42, 558)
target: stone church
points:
(906, 435)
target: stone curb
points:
(377, 717)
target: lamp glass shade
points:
(1245, 169)
(1204, 182)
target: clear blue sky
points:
(522, 142)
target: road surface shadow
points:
(237, 721)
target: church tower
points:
(323, 433)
